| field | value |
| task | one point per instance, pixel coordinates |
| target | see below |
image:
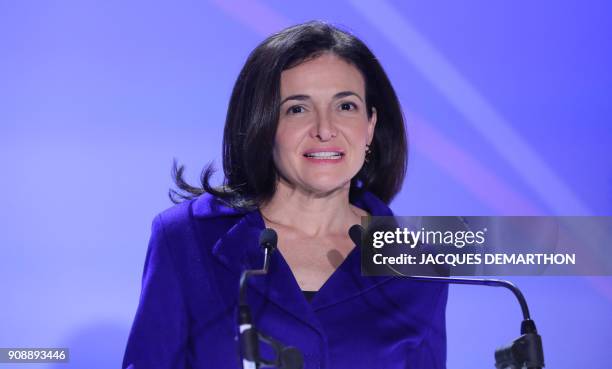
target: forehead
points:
(325, 74)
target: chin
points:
(325, 187)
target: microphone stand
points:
(249, 337)
(524, 352)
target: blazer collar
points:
(208, 206)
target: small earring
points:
(368, 153)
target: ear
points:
(372, 125)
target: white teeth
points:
(324, 155)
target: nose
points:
(324, 129)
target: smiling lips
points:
(326, 155)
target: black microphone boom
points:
(524, 352)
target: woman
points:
(314, 140)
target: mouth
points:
(324, 155)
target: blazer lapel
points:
(239, 250)
(347, 281)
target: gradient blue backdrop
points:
(508, 110)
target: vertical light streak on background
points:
(468, 101)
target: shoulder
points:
(203, 207)
(180, 223)
(371, 203)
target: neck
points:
(315, 214)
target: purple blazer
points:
(186, 316)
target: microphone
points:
(267, 240)
(524, 352)
(249, 337)
(355, 233)
(249, 341)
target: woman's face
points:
(323, 125)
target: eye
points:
(296, 109)
(348, 106)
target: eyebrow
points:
(339, 95)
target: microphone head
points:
(355, 233)
(268, 239)
(291, 358)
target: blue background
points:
(508, 112)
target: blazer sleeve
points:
(159, 333)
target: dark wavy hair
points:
(253, 114)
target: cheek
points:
(282, 144)
(284, 147)
(359, 136)
(288, 139)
